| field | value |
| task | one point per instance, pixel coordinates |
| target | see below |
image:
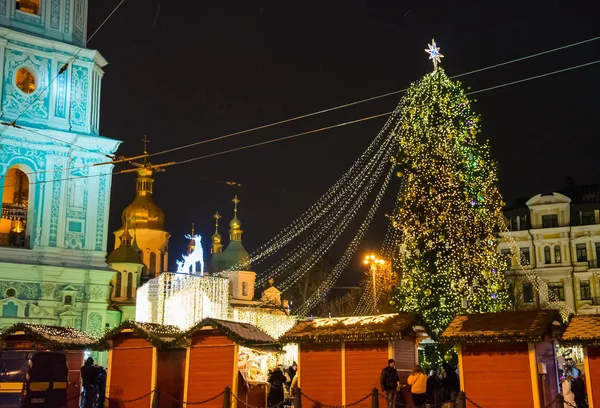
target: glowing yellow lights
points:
(447, 211)
(355, 320)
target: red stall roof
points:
(507, 327)
(583, 330)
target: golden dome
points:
(143, 212)
(235, 224)
(216, 238)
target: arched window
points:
(557, 254)
(129, 285)
(15, 202)
(118, 285)
(547, 258)
(153, 263)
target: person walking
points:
(89, 381)
(389, 383)
(276, 380)
(417, 381)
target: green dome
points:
(234, 254)
(125, 254)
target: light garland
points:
(333, 225)
(448, 208)
(337, 231)
(347, 256)
(273, 322)
(352, 321)
(322, 207)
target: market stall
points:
(340, 359)
(71, 342)
(143, 357)
(516, 347)
(584, 330)
(227, 354)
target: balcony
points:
(14, 239)
(14, 212)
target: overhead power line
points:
(338, 125)
(346, 105)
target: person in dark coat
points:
(101, 386)
(433, 388)
(276, 380)
(389, 383)
(450, 383)
(89, 381)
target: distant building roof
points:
(351, 329)
(504, 327)
(583, 329)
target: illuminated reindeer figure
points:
(188, 265)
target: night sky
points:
(187, 71)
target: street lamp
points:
(374, 263)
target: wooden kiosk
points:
(353, 350)
(584, 330)
(141, 358)
(71, 342)
(211, 362)
(507, 358)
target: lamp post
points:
(374, 263)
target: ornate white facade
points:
(559, 235)
(55, 202)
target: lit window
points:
(557, 254)
(25, 80)
(29, 6)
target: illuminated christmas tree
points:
(449, 207)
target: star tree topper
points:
(434, 53)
